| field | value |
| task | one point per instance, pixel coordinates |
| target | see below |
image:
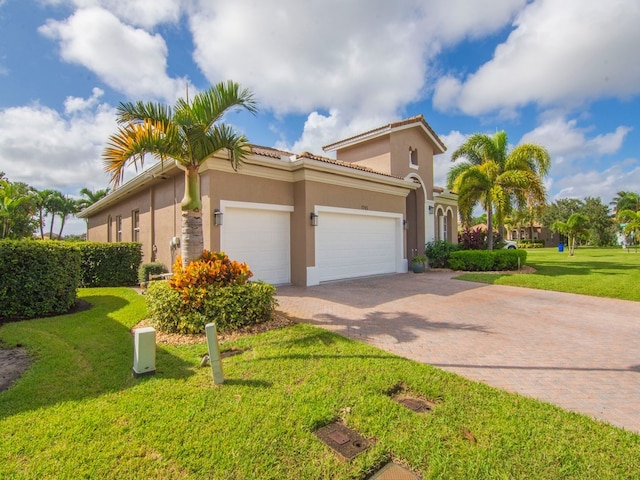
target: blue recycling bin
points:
(561, 247)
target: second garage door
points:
(260, 236)
(354, 244)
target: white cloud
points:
(127, 59)
(79, 104)
(45, 149)
(442, 163)
(361, 58)
(594, 183)
(565, 139)
(559, 53)
(144, 13)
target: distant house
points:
(297, 218)
(535, 232)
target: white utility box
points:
(144, 351)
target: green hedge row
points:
(38, 278)
(229, 307)
(487, 260)
(110, 264)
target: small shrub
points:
(148, 269)
(212, 269)
(472, 239)
(230, 307)
(438, 253)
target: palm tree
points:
(68, 206)
(90, 197)
(576, 225)
(631, 221)
(42, 202)
(626, 201)
(15, 204)
(55, 202)
(496, 178)
(189, 133)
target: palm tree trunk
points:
(192, 244)
(489, 226)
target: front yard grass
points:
(600, 272)
(79, 413)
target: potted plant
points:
(418, 263)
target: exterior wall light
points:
(430, 208)
(217, 217)
(405, 224)
(314, 219)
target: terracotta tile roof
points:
(344, 164)
(418, 119)
(278, 154)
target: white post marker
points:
(214, 353)
(144, 351)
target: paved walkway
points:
(581, 353)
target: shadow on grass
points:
(79, 356)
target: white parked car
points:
(510, 244)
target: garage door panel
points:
(260, 238)
(351, 245)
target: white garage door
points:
(355, 245)
(259, 237)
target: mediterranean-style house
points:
(297, 218)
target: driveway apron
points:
(581, 353)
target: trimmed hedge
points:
(487, 260)
(230, 307)
(38, 278)
(147, 269)
(110, 264)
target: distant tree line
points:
(24, 210)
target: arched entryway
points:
(415, 218)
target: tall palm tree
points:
(55, 202)
(189, 133)
(496, 178)
(89, 197)
(42, 203)
(68, 206)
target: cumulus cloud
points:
(442, 163)
(45, 149)
(144, 13)
(559, 52)
(128, 59)
(79, 104)
(565, 139)
(595, 183)
(363, 58)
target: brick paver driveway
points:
(581, 353)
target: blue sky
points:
(563, 74)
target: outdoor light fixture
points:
(430, 208)
(314, 219)
(405, 224)
(217, 217)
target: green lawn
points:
(79, 413)
(601, 272)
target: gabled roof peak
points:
(416, 121)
